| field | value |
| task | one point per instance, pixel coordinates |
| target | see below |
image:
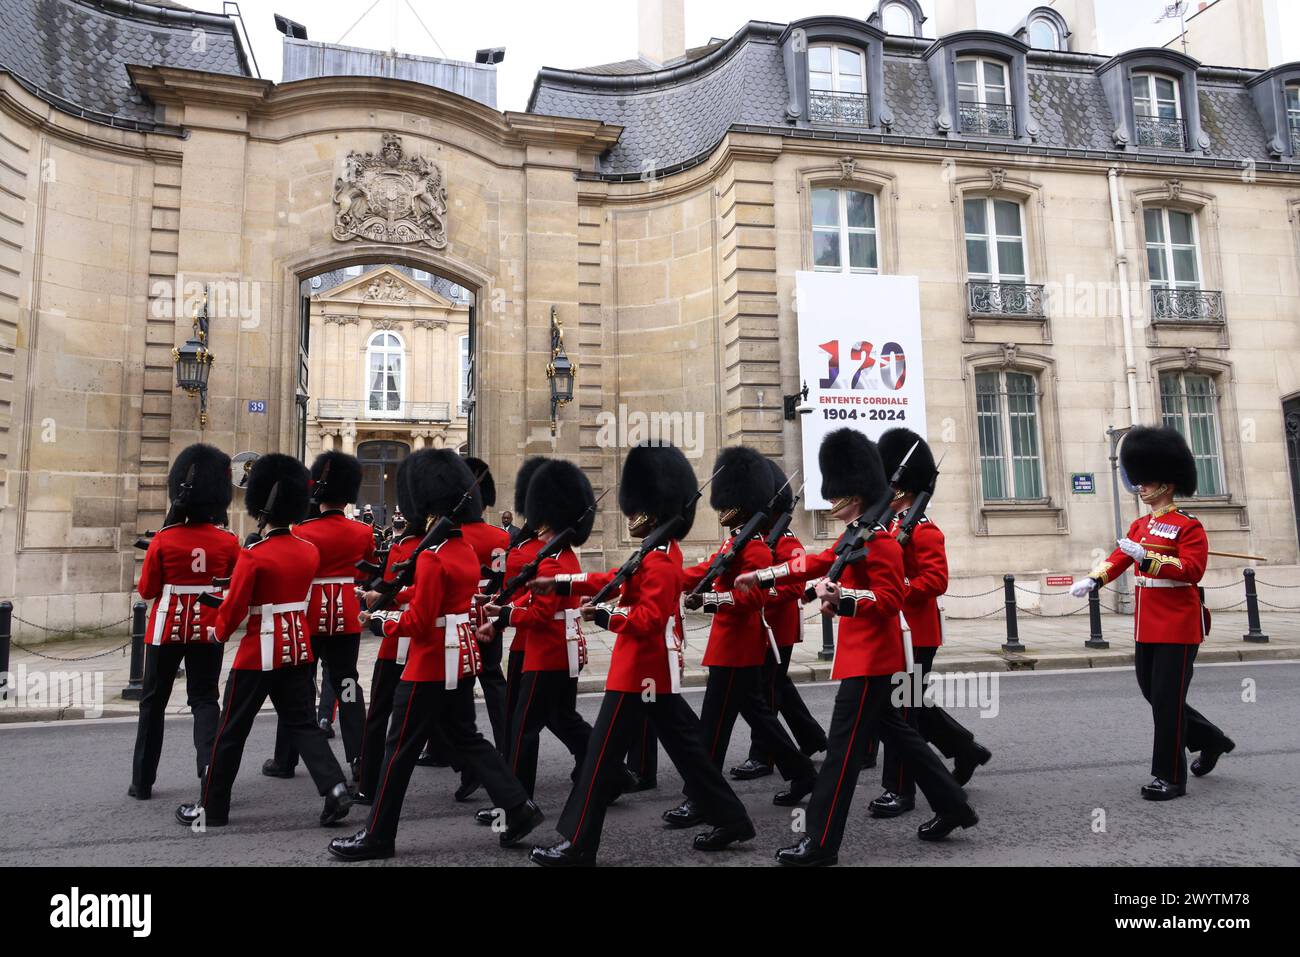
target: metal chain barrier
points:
(60, 631)
(101, 654)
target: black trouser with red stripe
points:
(496, 698)
(294, 697)
(863, 708)
(784, 699)
(514, 675)
(547, 699)
(739, 691)
(383, 685)
(338, 653)
(1163, 673)
(936, 725)
(202, 676)
(601, 777)
(418, 707)
(643, 753)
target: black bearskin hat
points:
(1158, 454)
(559, 494)
(894, 445)
(210, 488)
(487, 488)
(290, 476)
(658, 481)
(743, 480)
(783, 489)
(344, 480)
(850, 465)
(438, 480)
(522, 478)
(405, 500)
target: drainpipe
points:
(1130, 362)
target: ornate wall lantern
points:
(561, 371)
(194, 361)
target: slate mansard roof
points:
(74, 53)
(674, 117)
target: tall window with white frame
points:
(984, 97)
(1189, 402)
(1007, 419)
(1293, 116)
(844, 231)
(837, 85)
(1174, 267)
(462, 403)
(384, 375)
(1158, 112)
(996, 259)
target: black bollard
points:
(1013, 629)
(6, 635)
(1253, 632)
(828, 639)
(134, 689)
(1095, 639)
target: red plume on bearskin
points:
(743, 480)
(850, 465)
(559, 495)
(343, 481)
(657, 480)
(522, 478)
(894, 444)
(210, 488)
(290, 477)
(439, 479)
(1154, 454)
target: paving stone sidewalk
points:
(971, 645)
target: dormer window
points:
(1045, 29)
(1043, 35)
(1157, 112)
(984, 97)
(1293, 116)
(896, 18)
(837, 85)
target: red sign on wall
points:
(1054, 581)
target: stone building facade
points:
(1099, 240)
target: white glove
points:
(1082, 587)
(1132, 549)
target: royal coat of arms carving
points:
(389, 197)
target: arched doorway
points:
(379, 461)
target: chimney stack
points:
(661, 30)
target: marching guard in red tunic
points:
(333, 611)
(783, 612)
(524, 546)
(183, 558)
(559, 497)
(645, 671)
(868, 657)
(925, 565)
(1168, 551)
(269, 587)
(436, 687)
(739, 637)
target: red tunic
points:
(342, 542)
(270, 584)
(1168, 601)
(870, 642)
(180, 564)
(783, 606)
(647, 653)
(489, 543)
(545, 636)
(446, 580)
(395, 647)
(516, 559)
(737, 636)
(925, 563)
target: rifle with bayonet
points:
(318, 490)
(552, 548)
(664, 533)
(175, 513)
(725, 557)
(916, 511)
(782, 522)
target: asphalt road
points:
(1069, 748)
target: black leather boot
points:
(141, 792)
(520, 822)
(890, 804)
(750, 769)
(337, 803)
(1161, 790)
(965, 764)
(724, 836)
(799, 789)
(941, 825)
(361, 846)
(187, 814)
(686, 814)
(563, 854)
(274, 769)
(807, 853)
(1207, 759)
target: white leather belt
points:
(670, 642)
(341, 580)
(268, 614)
(571, 617)
(1160, 583)
(451, 647)
(403, 641)
(163, 606)
(771, 635)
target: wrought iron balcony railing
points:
(1186, 305)
(1162, 132)
(986, 119)
(357, 409)
(839, 109)
(1014, 299)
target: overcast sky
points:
(574, 33)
